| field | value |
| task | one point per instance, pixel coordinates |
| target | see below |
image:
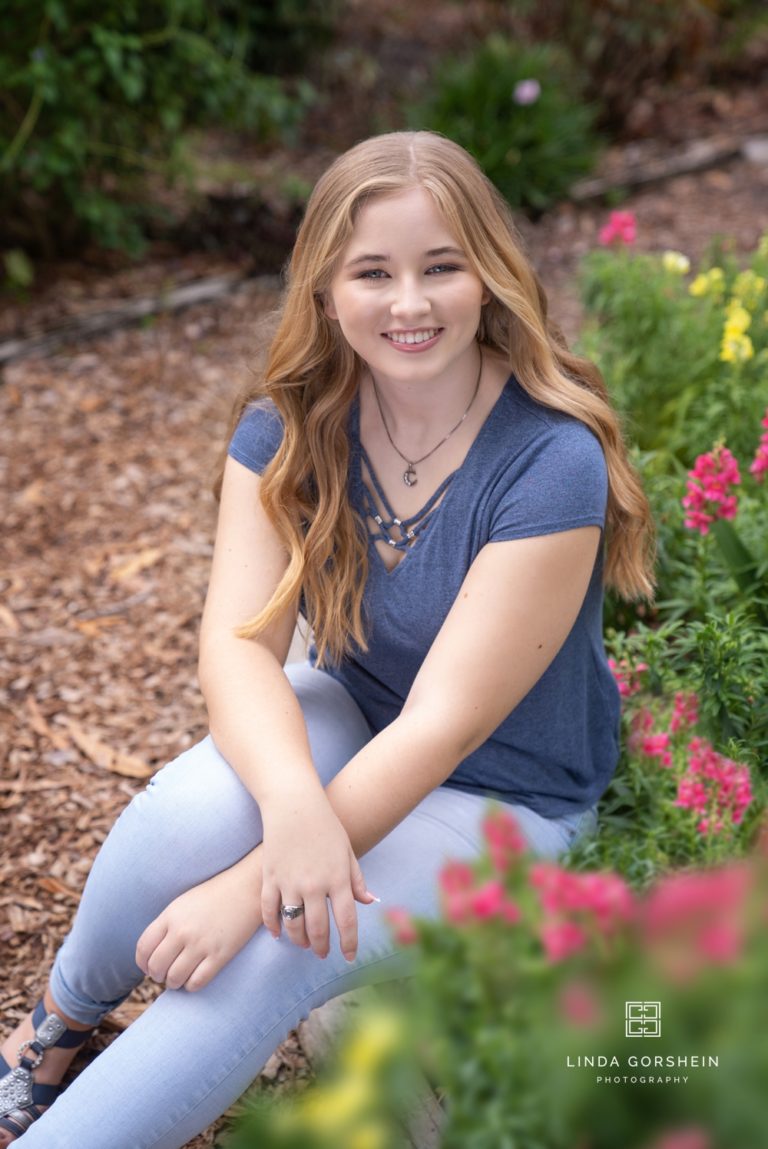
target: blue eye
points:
(439, 268)
(372, 273)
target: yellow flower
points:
(372, 1135)
(708, 283)
(676, 262)
(380, 1035)
(329, 1108)
(749, 287)
(737, 319)
(736, 348)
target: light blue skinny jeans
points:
(191, 1055)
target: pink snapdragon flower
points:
(709, 483)
(685, 714)
(687, 1137)
(505, 840)
(620, 229)
(657, 746)
(714, 787)
(579, 1004)
(627, 677)
(576, 905)
(402, 925)
(760, 463)
(690, 920)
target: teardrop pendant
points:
(409, 476)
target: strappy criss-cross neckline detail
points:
(409, 528)
(415, 525)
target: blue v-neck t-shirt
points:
(530, 471)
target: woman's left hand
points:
(203, 929)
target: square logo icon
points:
(642, 1019)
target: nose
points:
(410, 298)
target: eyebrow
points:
(431, 254)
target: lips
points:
(412, 338)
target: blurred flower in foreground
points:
(620, 229)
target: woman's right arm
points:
(253, 714)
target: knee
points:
(186, 806)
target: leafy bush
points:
(517, 110)
(97, 97)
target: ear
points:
(326, 300)
(486, 297)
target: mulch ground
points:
(107, 450)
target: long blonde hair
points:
(312, 374)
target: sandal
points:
(20, 1094)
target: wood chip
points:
(106, 756)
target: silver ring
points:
(291, 912)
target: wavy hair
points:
(311, 375)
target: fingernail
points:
(349, 955)
(276, 937)
(370, 895)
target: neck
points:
(416, 410)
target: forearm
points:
(255, 719)
(390, 776)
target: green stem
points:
(26, 128)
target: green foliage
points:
(518, 111)
(660, 348)
(97, 97)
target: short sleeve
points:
(257, 436)
(559, 484)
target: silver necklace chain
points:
(410, 478)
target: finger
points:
(270, 908)
(201, 975)
(345, 916)
(317, 924)
(182, 968)
(163, 957)
(296, 928)
(360, 891)
(149, 941)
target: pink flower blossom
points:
(562, 939)
(627, 676)
(403, 927)
(526, 92)
(579, 1004)
(456, 876)
(715, 787)
(576, 905)
(620, 229)
(505, 840)
(490, 901)
(695, 919)
(760, 463)
(690, 1137)
(708, 498)
(657, 746)
(685, 714)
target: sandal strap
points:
(50, 1030)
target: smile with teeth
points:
(413, 336)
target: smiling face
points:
(404, 294)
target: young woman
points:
(429, 476)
